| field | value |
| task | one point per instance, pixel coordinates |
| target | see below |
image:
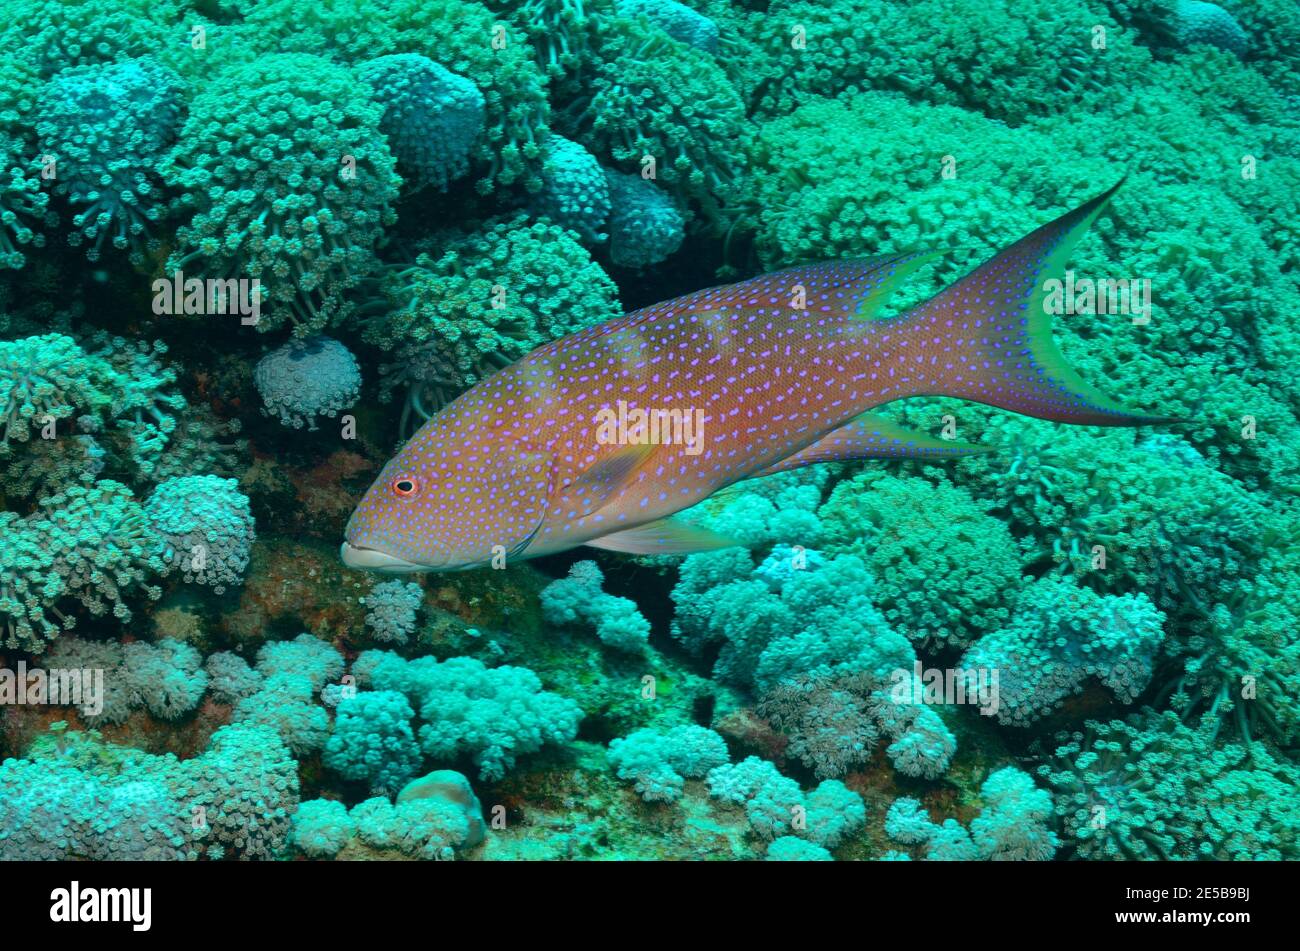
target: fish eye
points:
(405, 486)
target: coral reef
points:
(247, 249)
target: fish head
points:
(437, 506)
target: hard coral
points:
(298, 194)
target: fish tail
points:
(988, 337)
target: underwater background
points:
(427, 190)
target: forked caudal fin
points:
(988, 337)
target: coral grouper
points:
(597, 438)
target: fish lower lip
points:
(371, 560)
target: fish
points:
(584, 440)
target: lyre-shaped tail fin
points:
(988, 336)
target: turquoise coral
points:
(1062, 635)
(482, 300)
(660, 761)
(945, 570)
(645, 226)
(1199, 22)
(579, 597)
(432, 117)
(390, 610)
(492, 715)
(304, 380)
(76, 797)
(776, 806)
(208, 528)
(575, 193)
(1150, 787)
(443, 186)
(372, 740)
(321, 827)
(301, 198)
(513, 86)
(655, 98)
(91, 545)
(1016, 824)
(108, 128)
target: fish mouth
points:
(370, 559)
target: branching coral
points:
(780, 509)
(423, 828)
(790, 848)
(490, 714)
(304, 656)
(291, 677)
(432, 817)
(579, 597)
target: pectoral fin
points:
(664, 537)
(593, 488)
(873, 437)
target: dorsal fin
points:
(855, 289)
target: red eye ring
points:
(405, 486)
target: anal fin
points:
(872, 437)
(666, 536)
